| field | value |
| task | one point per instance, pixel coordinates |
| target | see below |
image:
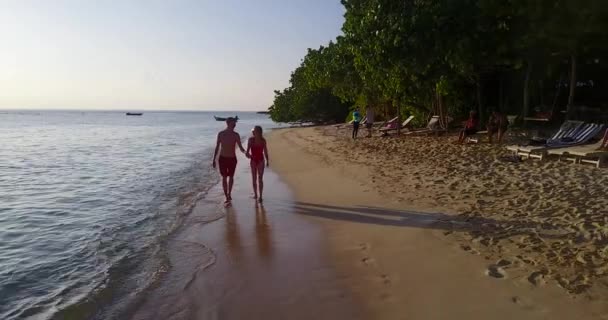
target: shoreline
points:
(248, 261)
(399, 238)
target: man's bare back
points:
(228, 141)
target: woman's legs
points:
(254, 178)
(260, 170)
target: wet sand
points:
(249, 261)
(398, 218)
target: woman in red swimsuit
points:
(256, 148)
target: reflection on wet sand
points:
(268, 263)
(233, 239)
(263, 233)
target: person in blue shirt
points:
(356, 122)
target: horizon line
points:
(127, 110)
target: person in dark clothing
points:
(498, 123)
(470, 127)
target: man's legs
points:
(225, 186)
(227, 168)
(230, 183)
(231, 171)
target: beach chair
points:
(571, 133)
(595, 153)
(432, 126)
(391, 125)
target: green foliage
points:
(411, 54)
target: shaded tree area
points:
(445, 57)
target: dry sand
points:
(420, 228)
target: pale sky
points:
(151, 54)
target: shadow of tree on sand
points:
(473, 224)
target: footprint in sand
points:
(469, 249)
(537, 278)
(495, 271)
(368, 261)
(364, 246)
(385, 279)
(524, 304)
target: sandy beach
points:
(391, 228)
(249, 261)
(425, 229)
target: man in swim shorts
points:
(227, 141)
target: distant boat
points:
(224, 119)
(263, 112)
(134, 113)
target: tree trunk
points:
(398, 118)
(501, 95)
(572, 86)
(441, 111)
(479, 100)
(526, 106)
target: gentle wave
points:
(88, 201)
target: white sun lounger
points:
(567, 130)
(582, 135)
(431, 127)
(591, 153)
(388, 128)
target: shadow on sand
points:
(474, 224)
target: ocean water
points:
(87, 200)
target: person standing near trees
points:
(369, 114)
(356, 122)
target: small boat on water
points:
(134, 113)
(224, 119)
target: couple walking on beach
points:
(227, 141)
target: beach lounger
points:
(580, 136)
(539, 151)
(594, 153)
(571, 133)
(391, 125)
(432, 126)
